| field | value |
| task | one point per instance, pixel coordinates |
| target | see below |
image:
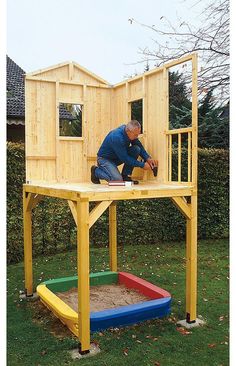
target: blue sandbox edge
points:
(130, 314)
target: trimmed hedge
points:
(143, 221)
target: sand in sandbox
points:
(104, 297)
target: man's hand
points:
(147, 166)
(153, 163)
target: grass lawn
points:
(36, 337)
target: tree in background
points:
(180, 107)
(213, 124)
(213, 120)
(211, 41)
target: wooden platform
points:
(103, 192)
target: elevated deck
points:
(103, 192)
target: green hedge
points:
(143, 221)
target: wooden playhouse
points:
(58, 161)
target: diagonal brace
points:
(97, 211)
(32, 200)
(94, 215)
(183, 206)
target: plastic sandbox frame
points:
(158, 306)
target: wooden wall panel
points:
(136, 89)
(119, 106)
(84, 78)
(58, 73)
(71, 161)
(98, 115)
(155, 124)
(40, 126)
(70, 93)
(41, 170)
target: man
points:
(121, 146)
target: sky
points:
(94, 33)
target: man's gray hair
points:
(132, 125)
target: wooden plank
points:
(165, 123)
(113, 237)
(70, 93)
(73, 208)
(178, 130)
(71, 160)
(52, 192)
(91, 158)
(40, 71)
(189, 156)
(32, 200)
(182, 205)
(71, 71)
(28, 266)
(40, 157)
(133, 195)
(179, 157)
(69, 82)
(98, 211)
(159, 69)
(170, 158)
(147, 73)
(70, 138)
(57, 130)
(94, 76)
(191, 263)
(194, 119)
(83, 273)
(85, 128)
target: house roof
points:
(16, 95)
(15, 90)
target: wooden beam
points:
(57, 129)
(73, 208)
(31, 200)
(28, 266)
(191, 263)
(38, 157)
(194, 119)
(113, 237)
(97, 211)
(178, 130)
(83, 274)
(179, 157)
(182, 205)
(53, 192)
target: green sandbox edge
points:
(96, 279)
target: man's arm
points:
(143, 152)
(121, 152)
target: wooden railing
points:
(169, 140)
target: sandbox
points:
(116, 299)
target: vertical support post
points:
(83, 274)
(194, 119)
(57, 130)
(27, 246)
(191, 265)
(113, 237)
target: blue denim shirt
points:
(115, 148)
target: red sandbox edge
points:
(144, 287)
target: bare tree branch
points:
(211, 41)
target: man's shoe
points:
(126, 178)
(94, 179)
